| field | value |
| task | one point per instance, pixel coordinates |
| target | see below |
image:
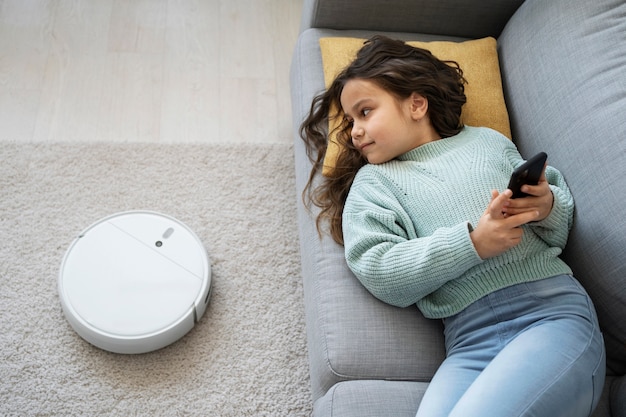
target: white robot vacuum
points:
(135, 282)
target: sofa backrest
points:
(462, 18)
(564, 73)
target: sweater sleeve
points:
(384, 252)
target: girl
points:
(413, 198)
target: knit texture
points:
(407, 225)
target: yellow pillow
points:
(477, 58)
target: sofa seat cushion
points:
(371, 399)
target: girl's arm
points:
(391, 261)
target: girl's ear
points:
(419, 106)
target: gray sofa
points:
(563, 66)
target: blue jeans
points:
(533, 349)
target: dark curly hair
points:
(401, 70)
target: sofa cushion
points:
(371, 399)
(618, 397)
(477, 58)
(461, 18)
(572, 106)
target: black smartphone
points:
(527, 173)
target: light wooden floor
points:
(146, 70)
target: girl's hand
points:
(498, 231)
(540, 199)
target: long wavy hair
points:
(401, 70)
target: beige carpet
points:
(246, 357)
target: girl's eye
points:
(365, 112)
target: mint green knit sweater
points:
(407, 224)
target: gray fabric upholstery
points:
(565, 83)
(563, 71)
(371, 399)
(618, 398)
(469, 19)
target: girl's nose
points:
(356, 132)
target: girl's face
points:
(383, 126)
